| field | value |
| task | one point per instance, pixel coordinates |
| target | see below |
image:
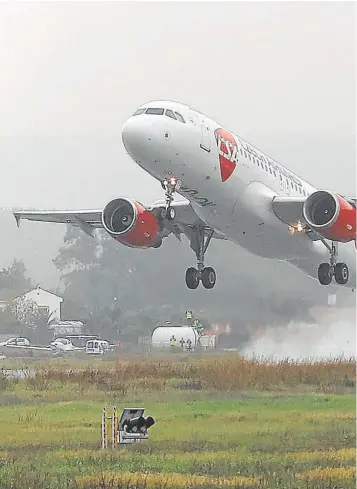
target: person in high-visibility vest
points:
(173, 341)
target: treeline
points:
(125, 293)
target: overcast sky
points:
(282, 75)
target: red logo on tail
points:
(228, 151)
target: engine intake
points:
(331, 216)
(131, 224)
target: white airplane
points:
(61, 345)
(232, 191)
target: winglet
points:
(17, 219)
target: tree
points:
(79, 252)
(34, 321)
(126, 291)
(8, 322)
(15, 277)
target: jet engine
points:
(331, 216)
(131, 224)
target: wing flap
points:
(289, 209)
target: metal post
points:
(114, 427)
(104, 430)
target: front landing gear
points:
(206, 275)
(170, 186)
(327, 271)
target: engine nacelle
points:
(331, 216)
(131, 224)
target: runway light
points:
(299, 226)
(139, 424)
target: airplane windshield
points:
(180, 118)
(169, 113)
(154, 111)
(139, 111)
(160, 111)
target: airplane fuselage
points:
(229, 183)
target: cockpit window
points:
(139, 111)
(154, 111)
(180, 118)
(169, 113)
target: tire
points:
(192, 278)
(341, 273)
(208, 278)
(157, 244)
(324, 274)
(171, 214)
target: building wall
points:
(46, 299)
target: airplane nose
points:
(130, 135)
(138, 138)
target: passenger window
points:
(274, 173)
(169, 113)
(249, 157)
(241, 152)
(139, 111)
(245, 153)
(270, 171)
(180, 118)
(266, 168)
(154, 111)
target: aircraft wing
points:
(29, 347)
(289, 209)
(88, 219)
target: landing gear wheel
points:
(208, 278)
(170, 213)
(170, 186)
(325, 274)
(157, 244)
(192, 278)
(341, 273)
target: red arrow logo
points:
(228, 151)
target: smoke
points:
(301, 341)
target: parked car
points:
(97, 347)
(16, 342)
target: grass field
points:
(220, 422)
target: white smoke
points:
(301, 341)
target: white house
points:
(46, 301)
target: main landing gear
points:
(327, 271)
(198, 244)
(170, 186)
(206, 275)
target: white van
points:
(97, 347)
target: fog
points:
(280, 74)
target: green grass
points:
(248, 438)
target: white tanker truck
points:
(161, 336)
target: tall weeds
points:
(219, 372)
